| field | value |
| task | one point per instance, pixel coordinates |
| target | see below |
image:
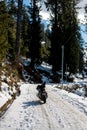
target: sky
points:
(45, 14)
(82, 11)
(81, 14)
(63, 110)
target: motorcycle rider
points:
(41, 88)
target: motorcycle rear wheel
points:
(44, 100)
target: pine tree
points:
(65, 31)
(56, 34)
(25, 35)
(18, 29)
(12, 7)
(12, 10)
(4, 46)
(72, 33)
(35, 39)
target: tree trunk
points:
(18, 29)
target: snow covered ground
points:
(62, 111)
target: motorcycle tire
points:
(44, 100)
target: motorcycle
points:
(42, 94)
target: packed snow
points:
(62, 111)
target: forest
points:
(23, 34)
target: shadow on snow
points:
(32, 103)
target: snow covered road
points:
(28, 113)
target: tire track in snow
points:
(52, 124)
(56, 114)
(75, 118)
(53, 115)
(45, 122)
(76, 103)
